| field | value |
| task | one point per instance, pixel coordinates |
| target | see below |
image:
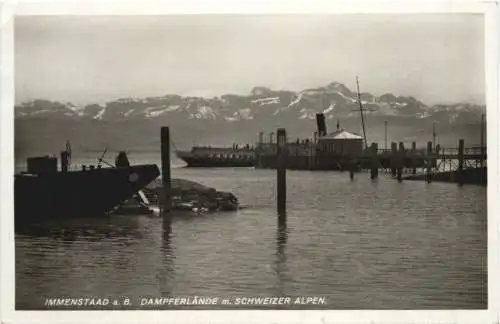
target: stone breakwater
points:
(187, 194)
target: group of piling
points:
(397, 159)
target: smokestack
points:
(320, 121)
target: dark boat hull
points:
(203, 162)
(77, 193)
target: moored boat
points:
(43, 191)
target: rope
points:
(173, 144)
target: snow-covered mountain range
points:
(335, 100)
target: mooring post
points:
(401, 160)
(309, 155)
(64, 161)
(460, 161)
(313, 152)
(260, 149)
(351, 166)
(429, 161)
(394, 153)
(281, 171)
(413, 157)
(374, 161)
(165, 172)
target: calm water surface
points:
(362, 244)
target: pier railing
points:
(422, 152)
(475, 150)
(310, 148)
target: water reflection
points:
(88, 229)
(166, 271)
(166, 226)
(281, 259)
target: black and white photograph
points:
(322, 161)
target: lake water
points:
(361, 244)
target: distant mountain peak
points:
(340, 87)
(260, 91)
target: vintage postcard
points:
(303, 160)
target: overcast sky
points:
(433, 57)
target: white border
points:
(95, 7)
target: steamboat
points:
(217, 157)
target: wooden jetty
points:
(309, 156)
(344, 151)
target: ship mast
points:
(434, 135)
(385, 135)
(361, 110)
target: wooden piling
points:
(400, 161)
(394, 153)
(429, 162)
(281, 170)
(165, 172)
(460, 170)
(374, 161)
(310, 162)
(64, 161)
(259, 149)
(413, 157)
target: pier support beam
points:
(401, 160)
(429, 162)
(259, 150)
(460, 170)
(310, 159)
(281, 173)
(165, 172)
(394, 153)
(374, 161)
(413, 157)
(351, 166)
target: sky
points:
(437, 58)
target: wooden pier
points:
(307, 157)
(398, 162)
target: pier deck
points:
(309, 156)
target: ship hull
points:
(198, 162)
(90, 193)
